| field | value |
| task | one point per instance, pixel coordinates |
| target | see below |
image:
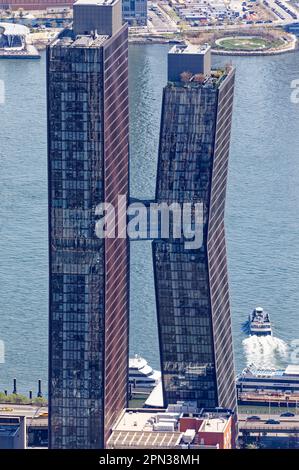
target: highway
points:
(265, 416)
(287, 425)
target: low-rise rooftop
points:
(150, 428)
(144, 440)
(95, 2)
(135, 420)
(213, 425)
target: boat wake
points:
(265, 351)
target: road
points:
(22, 410)
(293, 419)
(286, 426)
(159, 21)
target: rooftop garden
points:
(189, 79)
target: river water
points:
(262, 220)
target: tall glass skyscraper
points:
(87, 84)
(192, 284)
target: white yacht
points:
(141, 376)
(259, 322)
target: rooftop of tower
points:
(190, 65)
(213, 80)
(190, 49)
(88, 41)
(102, 17)
(187, 57)
(95, 21)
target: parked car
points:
(253, 418)
(272, 421)
(287, 414)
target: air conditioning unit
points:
(188, 436)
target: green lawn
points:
(247, 44)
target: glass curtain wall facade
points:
(87, 81)
(135, 12)
(191, 285)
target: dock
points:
(29, 53)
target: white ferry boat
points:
(257, 386)
(259, 322)
(141, 375)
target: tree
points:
(199, 78)
(186, 76)
(252, 445)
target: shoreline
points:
(146, 41)
(290, 41)
(254, 53)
